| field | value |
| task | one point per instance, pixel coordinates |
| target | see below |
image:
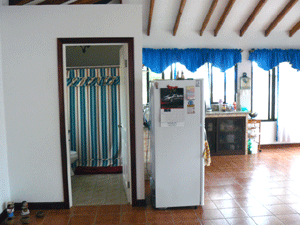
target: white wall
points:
(4, 2)
(4, 184)
(29, 47)
(268, 130)
(95, 55)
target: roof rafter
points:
(150, 16)
(207, 18)
(251, 18)
(294, 29)
(280, 16)
(83, 2)
(22, 2)
(223, 17)
(89, 2)
(182, 4)
(52, 2)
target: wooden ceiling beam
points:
(207, 18)
(251, 18)
(21, 2)
(294, 29)
(90, 2)
(52, 2)
(182, 4)
(223, 17)
(280, 16)
(150, 16)
(83, 2)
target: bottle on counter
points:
(220, 105)
(224, 107)
(234, 106)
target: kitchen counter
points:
(227, 132)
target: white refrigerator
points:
(177, 116)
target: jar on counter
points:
(224, 107)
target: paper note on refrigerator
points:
(172, 117)
(190, 92)
(191, 107)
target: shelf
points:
(253, 136)
(231, 132)
(255, 125)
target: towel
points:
(206, 154)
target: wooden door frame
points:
(63, 142)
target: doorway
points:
(126, 107)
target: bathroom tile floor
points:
(256, 189)
(98, 189)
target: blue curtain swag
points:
(193, 58)
(269, 58)
(92, 81)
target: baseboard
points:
(43, 205)
(3, 216)
(278, 146)
(141, 203)
(82, 170)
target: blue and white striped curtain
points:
(94, 115)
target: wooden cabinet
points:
(226, 135)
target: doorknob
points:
(120, 125)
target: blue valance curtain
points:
(92, 81)
(193, 58)
(269, 58)
(94, 115)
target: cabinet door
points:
(231, 136)
(211, 133)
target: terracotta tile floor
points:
(254, 189)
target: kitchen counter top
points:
(226, 114)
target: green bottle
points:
(249, 146)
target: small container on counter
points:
(234, 106)
(220, 105)
(224, 107)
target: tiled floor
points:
(98, 189)
(240, 190)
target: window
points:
(289, 92)
(223, 85)
(219, 85)
(264, 92)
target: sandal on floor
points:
(25, 220)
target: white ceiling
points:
(195, 11)
(165, 13)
